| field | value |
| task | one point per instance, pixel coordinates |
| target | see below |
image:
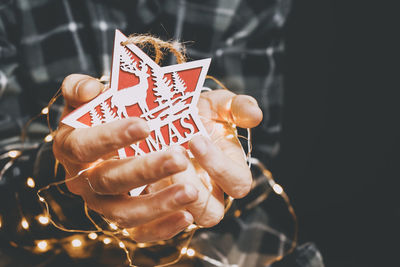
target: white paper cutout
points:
(166, 97)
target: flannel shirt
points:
(43, 41)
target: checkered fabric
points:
(43, 41)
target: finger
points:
(233, 176)
(208, 209)
(245, 111)
(163, 228)
(241, 110)
(78, 89)
(89, 144)
(121, 176)
(128, 212)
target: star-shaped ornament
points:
(166, 97)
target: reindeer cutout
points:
(124, 97)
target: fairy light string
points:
(121, 236)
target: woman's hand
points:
(182, 190)
(155, 216)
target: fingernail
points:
(177, 162)
(187, 195)
(198, 145)
(138, 129)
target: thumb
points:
(241, 110)
(245, 111)
(79, 89)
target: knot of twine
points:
(144, 41)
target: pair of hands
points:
(179, 192)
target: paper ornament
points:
(166, 97)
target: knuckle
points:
(109, 140)
(78, 153)
(142, 170)
(157, 208)
(220, 169)
(101, 184)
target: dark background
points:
(339, 157)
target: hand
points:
(154, 216)
(219, 165)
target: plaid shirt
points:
(43, 41)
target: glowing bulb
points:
(48, 138)
(42, 245)
(43, 219)
(14, 153)
(45, 110)
(76, 243)
(92, 236)
(113, 226)
(30, 182)
(1, 221)
(141, 245)
(125, 232)
(237, 213)
(277, 189)
(191, 227)
(24, 223)
(41, 199)
(190, 252)
(107, 240)
(121, 245)
(183, 251)
(230, 136)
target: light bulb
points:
(113, 226)
(76, 243)
(30, 182)
(125, 232)
(24, 223)
(190, 252)
(92, 236)
(45, 110)
(14, 153)
(48, 138)
(43, 219)
(42, 245)
(277, 189)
